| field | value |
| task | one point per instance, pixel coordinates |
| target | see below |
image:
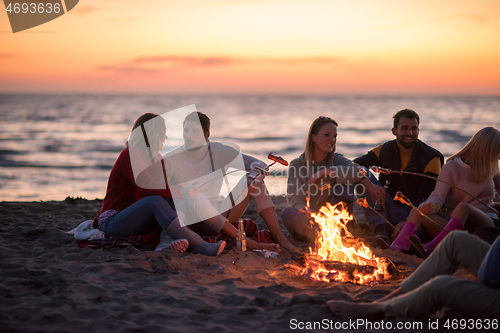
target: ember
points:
(338, 256)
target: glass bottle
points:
(241, 237)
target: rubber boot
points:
(402, 241)
(453, 224)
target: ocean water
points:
(54, 146)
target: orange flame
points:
(332, 245)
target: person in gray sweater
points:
(320, 175)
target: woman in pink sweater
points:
(473, 169)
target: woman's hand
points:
(426, 208)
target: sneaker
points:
(382, 236)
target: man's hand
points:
(377, 192)
(190, 190)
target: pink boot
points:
(402, 241)
(453, 224)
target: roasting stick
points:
(363, 203)
(389, 171)
(402, 198)
(258, 170)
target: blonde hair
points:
(315, 127)
(147, 134)
(481, 153)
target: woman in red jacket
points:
(137, 200)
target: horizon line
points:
(138, 93)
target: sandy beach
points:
(400, 85)
(49, 284)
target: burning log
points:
(348, 267)
(329, 271)
(337, 255)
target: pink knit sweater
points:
(456, 172)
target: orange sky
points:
(258, 46)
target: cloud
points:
(223, 61)
(153, 64)
(469, 18)
(192, 61)
(126, 69)
(478, 19)
(301, 60)
(7, 55)
(83, 10)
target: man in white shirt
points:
(201, 165)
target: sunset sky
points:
(258, 46)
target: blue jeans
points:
(396, 212)
(140, 218)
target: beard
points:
(405, 144)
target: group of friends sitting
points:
(182, 192)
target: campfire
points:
(338, 256)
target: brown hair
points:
(200, 117)
(143, 119)
(149, 136)
(406, 113)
